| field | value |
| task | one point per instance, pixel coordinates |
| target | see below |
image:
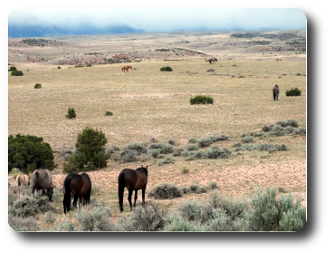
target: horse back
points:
(130, 178)
(87, 184)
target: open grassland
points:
(147, 103)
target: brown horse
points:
(125, 68)
(276, 91)
(132, 180)
(80, 186)
(23, 181)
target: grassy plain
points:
(147, 103)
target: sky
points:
(158, 19)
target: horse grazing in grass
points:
(80, 186)
(211, 60)
(276, 91)
(23, 181)
(125, 68)
(132, 180)
(42, 180)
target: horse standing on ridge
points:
(132, 180)
(23, 181)
(276, 92)
(42, 180)
(125, 68)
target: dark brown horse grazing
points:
(80, 186)
(42, 180)
(132, 180)
(276, 91)
(211, 60)
(125, 68)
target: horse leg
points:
(135, 198)
(75, 198)
(130, 192)
(143, 195)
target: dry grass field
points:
(147, 103)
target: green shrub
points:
(179, 224)
(16, 73)
(49, 217)
(301, 131)
(247, 139)
(237, 145)
(192, 147)
(151, 217)
(71, 114)
(201, 100)
(22, 224)
(268, 214)
(107, 113)
(216, 153)
(90, 152)
(191, 210)
(166, 69)
(184, 170)
(204, 142)
(65, 226)
(128, 155)
(265, 147)
(293, 92)
(12, 68)
(59, 67)
(29, 153)
(28, 206)
(277, 131)
(37, 86)
(164, 148)
(95, 219)
(138, 147)
(165, 191)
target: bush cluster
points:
(37, 86)
(293, 92)
(214, 152)
(265, 147)
(166, 69)
(71, 114)
(28, 153)
(165, 191)
(90, 152)
(16, 73)
(201, 100)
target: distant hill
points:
(28, 30)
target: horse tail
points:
(121, 187)
(19, 182)
(67, 196)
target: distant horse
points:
(207, 60)
(211, 60)
(132, 180)
(125, 68)
(23, 181)
(80, 186)
(276, 91)
(42, 180)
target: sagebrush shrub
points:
(128, 155)
(164, 148)
(108, 113)
(201, 100)
(22, 224)
(165, 191)
(247, 139)
(191, 210)
(49, 217)
(151, 217)
(95, 219)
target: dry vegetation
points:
(147, 103)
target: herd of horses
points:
(79, 186)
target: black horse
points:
(80, 186)
(211, 60)
(276, 91)
(132, 180)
